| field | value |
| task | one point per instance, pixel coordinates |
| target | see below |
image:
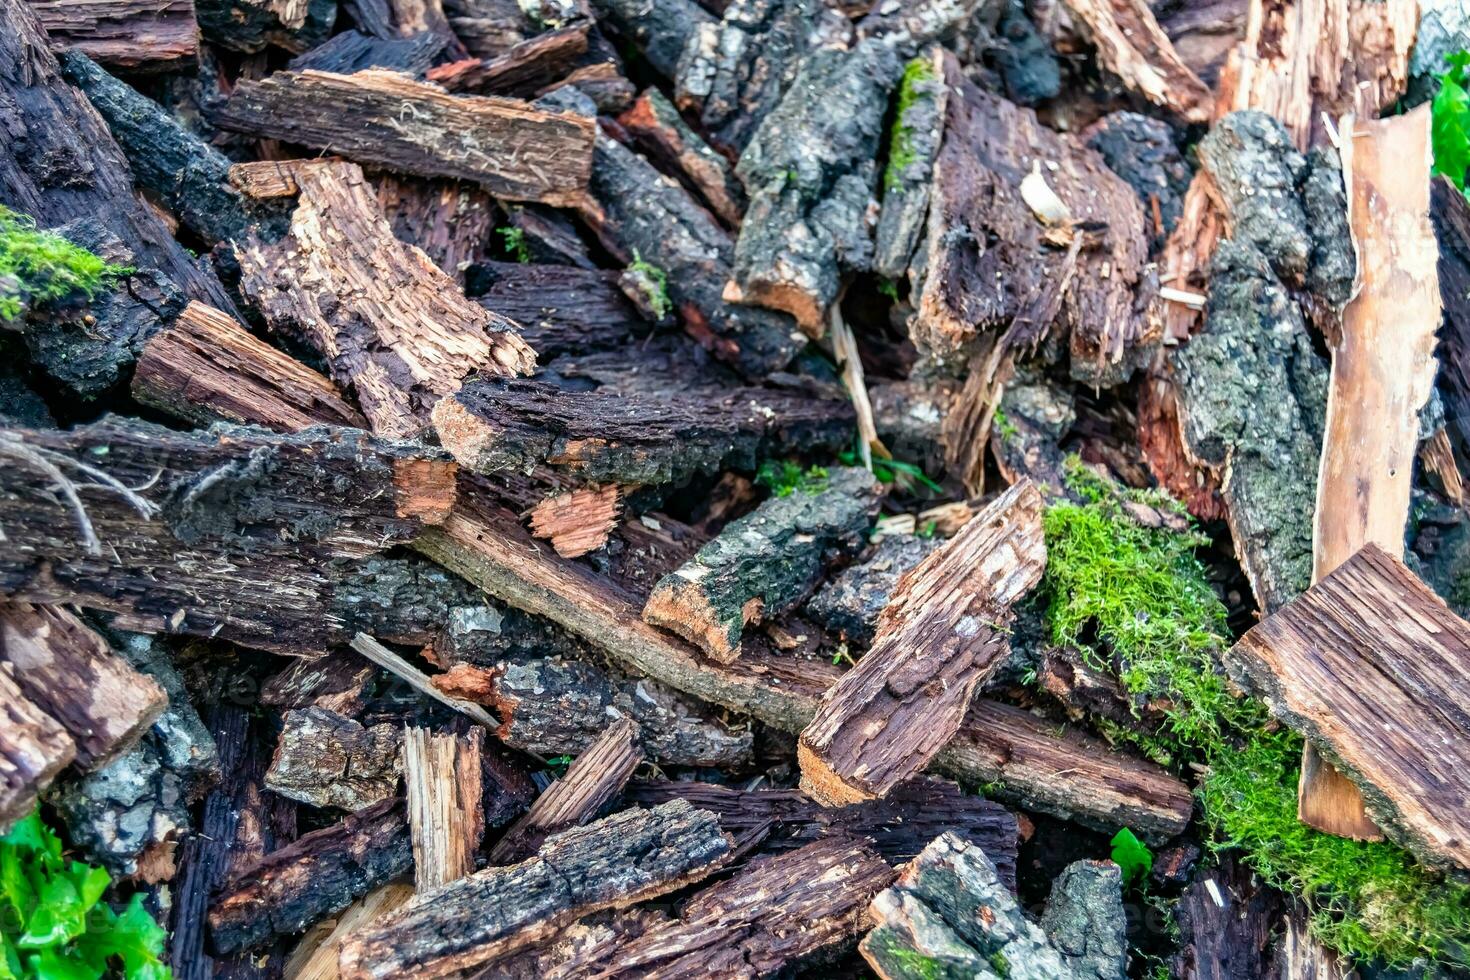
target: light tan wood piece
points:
(445, 815)
(1133, 46)
(579, 520)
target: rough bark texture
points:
(561, 309)
(657, 436)
(295, 886)
(949, 914)
(205, 367)
(850, 602)
(315, 956)
(33, 749)
(444, 776)
(329, 760)
(763, 564)
(453, 221)
(918, 125)
(523, 71)
(252, 25)
(395, 330)
(1133, 46)
(941, 634)
(590, 783)
(514, 151)
(337, 682)
(1451, 213)
(620, 860)
(133, 35)
(231, 535)
(1084, 920)
(660, 28)
(1034, 415)
(664, 137)
(1143, 152)
(1226, 918)
(1369, 664)
(354, 51)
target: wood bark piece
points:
(315, 956)
(252, 25)
(522, 71)
(231, 534)
(664, 137)
(131, 35)
(1369, 664)
(451, 220)
(898, 826)
(205, 367)
(514, 151)
(561, 309)
(337, 682)
(941, 634)
(328, 760)
(69, 671)
(417, 679)
(613, 863)
(920, 118)
(1226, 918)
(488, 27)
(608, 435)
(1451, 216)
(764, 563)
(578, 521)
(590, 783)
(353, 51)
(318, 875)
(393, 327)
(33, 749)
(1064, 774)
(850, 602)
(1383, 370)
(661, 29)
(1132, 45)
(445, 781)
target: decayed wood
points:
(578, 521)
(653, 435)
(33, 749)
(417, 679)
(1060, 773)
(1133, 46)
(561, 309)
(514, 151)
(451, 220)
(252, 25)
(522, 71)
(613, 863)
(315, 956)
(1371, 666)
(70, 672)
(1383, 369)
(444, 778)
(354, 51)
(328, 760)
(231, 534)
(488, 27)
(663, 135)
(206, 367)
(591, 781)
(1451, 213)
(661, 29)
(1226, 917)
(850, 602)
(133, 35)
(941, 634)
(906, 180)
(393, 327)
(337, 682)
(764, 563)
(898, 826)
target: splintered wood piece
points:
(613, 863)
(1133, 46)
(1374, 669)
(33, 749)
(444, 779)
(337, 682)
(393, 327)
(523, 71)
(941, 634)
(764, 563)
(1063, 773)
(417, 679)
(665, 137)
(389, 120)
(327, 760)
(593, 778)
(230, 534)
(205, 367)
(315, 956)
(452, 221)
(578, 521)
(320, 874)
(1383, 369)
(132, 35)
(778, 911)
(266, 180)
(68, 670)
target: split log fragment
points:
(615, 862)
(315, 956)
(664, 137)
(383, 118)
(523, 71)
(337, 682)
(590, 782)
(764, 563)
(561, 309)
(1132, 45)
(941, 634)
(130, 35)
(328, 760)
(353, 51)
(444, 779)
(451, 220)
(33, 749)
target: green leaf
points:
(1132, 855)
(50, 964)
(132, 937)
(1450, 130)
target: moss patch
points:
(39, 267)
(901, 152)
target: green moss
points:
(1142, 597)
(514, 240)
(901, 152)
(39, 266)
(1000, 964)
(1004, 425)
(656, 286)
(783, 478)
(913, 964)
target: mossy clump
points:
(1137, 601)
(655, 285)
(39, 267)
(783, 478)
(901, 151)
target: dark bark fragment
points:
(337, 682)
(1034, 415)
(451, 220)
(560, 309)
(488, 27)
(128, 35)
(1142, 151)
(918, 127)
(665, 138)
(660, 28)
(1225, 923)
(354, 51)
(329, 760)
(252, 25)
(1451, 213)
(523, 71)
(849, 603)
(1084, 920)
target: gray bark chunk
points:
(849, 604)
(660, 28)
(1443, 27)
(1085, 921)
(918, 128)
(1142, 151)
(329, 760)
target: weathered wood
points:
(132, 35)
(417, 679)
(451, 220)
(231, 534)
(205, 367)
(33, 749)
(1142, 150)
(444, 778)
(661, 29)
(615, 862)
(315, 956)
(919, 117)
(1369, 664)
(665, 138)
(656, 436)
(898, 826)
(514, 151)
(764, 563)
(949, 914)
(394, 329)
(850, 602)
(1451, 214)
(941, 634)
(1226, 917)
(295, 886)
(337, 682)
(252, 25)
(488, 27)
(70, 672)
(1066, 773)
(522, 71)
(590, 783)
(578, 521)
(354, 51)
(561, 309)
(1132, 45)
(1085, 921)
(329, 760)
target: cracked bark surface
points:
(328, 760)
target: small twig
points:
(417, 679)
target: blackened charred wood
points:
(252, 25)
(849, 603)
(615, 862)
(443, 777)
(33, 749)
(508, 787)
(132, 35)
(765, 563)
(329, 760)
(354, 51)
(660, 28)
(666, 139)
(561, 309)
(550, 235)
(521, 72)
